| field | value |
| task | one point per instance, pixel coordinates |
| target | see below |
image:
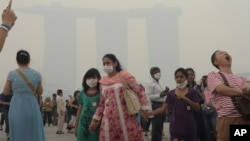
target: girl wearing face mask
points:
(116, 123)
(88, 102)
(185, 101)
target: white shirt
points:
(153, 89)
(60, 104)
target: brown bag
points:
(241, 103)
(27, 81)
(131, 98)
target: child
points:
(88, 101)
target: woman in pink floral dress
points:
(116, 123)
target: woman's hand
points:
(144, 115)
(93, 125)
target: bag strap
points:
(123, 81)
(224, 79)
(27, 81)
(227, 84)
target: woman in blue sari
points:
(25, 120)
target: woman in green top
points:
(88, 101)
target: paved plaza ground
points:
(52, 136)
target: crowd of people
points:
(55, 111)
(98, 112)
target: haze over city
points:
(66, 38)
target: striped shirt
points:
(223, 104)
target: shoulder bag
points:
(241, 103)
(27, 81)
(131, 98)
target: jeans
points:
(2, 118)
(157, 123)
(47, 115)
(210, 117)
(6, 118)
(54, 117)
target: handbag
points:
(242, 103)
(27, 81)
(131, 98)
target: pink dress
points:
(117, 124)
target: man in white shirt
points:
(61, 111)
(157, 96)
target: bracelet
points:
(5, 26)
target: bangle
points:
(5, 26)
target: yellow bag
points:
(131, 98)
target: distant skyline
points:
(112, 33)
(168, 34)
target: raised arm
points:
(8, 21)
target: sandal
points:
(59, 132)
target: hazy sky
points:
(133, 30)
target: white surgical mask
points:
(108, 69)
(182, 85)
(91, 82)
(157, 76)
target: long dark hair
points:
(91, 73)
(192, 70)
(194, 84)
(204, 80)
(114, 59)
(75, 93)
